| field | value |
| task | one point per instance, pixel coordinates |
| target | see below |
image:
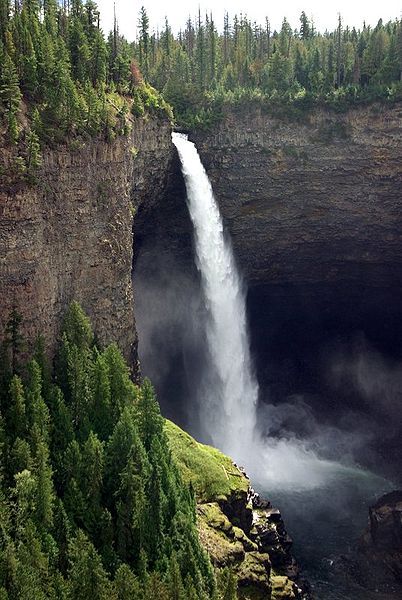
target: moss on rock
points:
(214, 476)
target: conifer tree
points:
(87, 577)
(127, 585)
(144, 42)
(13, 338)
(91, 478)
(44, 492)
(20, 458)
(17, 419)
(4, 18)
(34, 160)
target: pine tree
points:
(77, 327)
(91, 480)
(143, 44)
(20, 458)
(34, 160)
(176, 587)
(13, 338)
(305, 30)
(10, 93)
(123, 393)
(101, 410)
(127, 585)
(17, 418)
(44, 493)
(4, 18)
(37, 411)
(87, 577)
(150, 420)
(131, 504)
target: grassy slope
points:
(213, 475)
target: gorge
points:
(318, 272)
(313, 209)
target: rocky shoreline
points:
(246, 533)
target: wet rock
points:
(386, 523)
(375, 564)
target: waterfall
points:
(230, 391)
(228, 397)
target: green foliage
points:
(287, 72)
(212, 474)
(34, 158)
(92, 504)
(57, 60)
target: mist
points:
(294, 444)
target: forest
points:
(60, 71)
(92, 504)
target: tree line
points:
(92, 506)
(59, 70)
(254, 60)
(72, 81)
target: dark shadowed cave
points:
(331, 348)
(328, 360)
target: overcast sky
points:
(324, 13)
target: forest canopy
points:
(74, 81)
(92, 505)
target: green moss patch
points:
(213, 475)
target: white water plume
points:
(228, 408)
(228, 403)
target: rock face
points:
(382, 543)
(386, 522)
(313, 199)
(70, 236)
(373, 569)
(248, 535)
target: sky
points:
(324, 13)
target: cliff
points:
(238, 529)
(311, 199)
(70, 235)
(373, 567)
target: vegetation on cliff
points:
(60, 78)
(92, 503)
(200, 69)
(60, 74)
(212, 474)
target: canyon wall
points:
(315, 198)
(69, 237)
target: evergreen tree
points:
(150, 420)
(144, 42)
(10, 94)
(127, 585)
(305, 29)
(17, 419)
(87, 577)
(34, 160)
(44, 492)
(91, 478)
(13, 338)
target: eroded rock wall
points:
(70, 236)
(311, 200)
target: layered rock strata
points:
(70, 235)
(310, 199)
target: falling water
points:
(228, 403)
(229, 396)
